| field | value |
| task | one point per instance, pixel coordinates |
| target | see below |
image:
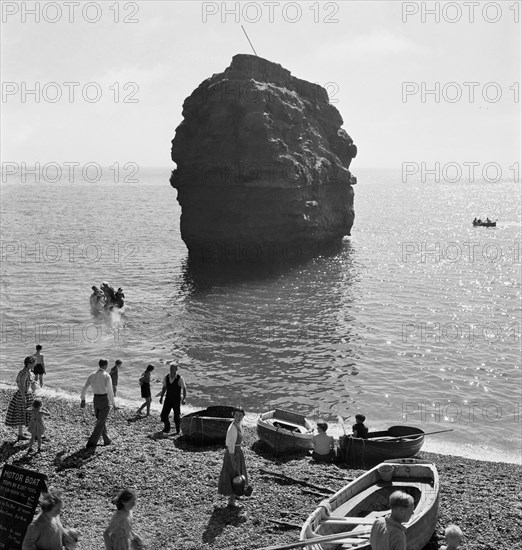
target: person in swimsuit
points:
(145, 389)
(114, 373)
(39, 366)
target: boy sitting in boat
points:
(323, 444)
(453, 535)
(388, 533)
(359, 429)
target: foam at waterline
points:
(468, 450)
(132, 404)
(431, 445)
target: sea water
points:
(415, 320)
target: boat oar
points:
(309, 542)
(340, 419)
(411, 435)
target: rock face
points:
(262, 166)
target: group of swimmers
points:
(106, 296)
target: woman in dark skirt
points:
(17, 413)
(145, 389)
(234, 459)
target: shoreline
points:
(436, 444)
(178, 505)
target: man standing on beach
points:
(173, 385)
(101, 384)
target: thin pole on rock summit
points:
(249, 40)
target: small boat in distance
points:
(351, 512)
(487, 223)
(209, 425)
(285, 431)
(395, 442)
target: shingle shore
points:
(178, 505)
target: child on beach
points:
(145, 389)
(39, 366)
(388, 532)
(323, 444)
(359, 429)
(453, 536)
(119, 534)
(36, 426)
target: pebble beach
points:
(176, 482)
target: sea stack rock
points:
(262, 166)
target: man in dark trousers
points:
(101, 384)
(173, 385)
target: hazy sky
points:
(365, 56)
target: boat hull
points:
(485, 224)
(357, 452)
(352, 511)
(102, 307)
(285, 431)
(209, 425)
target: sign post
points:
(19, 493)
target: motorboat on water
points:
(487, 223)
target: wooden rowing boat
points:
(395, 442)
(484, 224)
(356, 506)
(285, 431)
(209, 425)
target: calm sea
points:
(415, 320)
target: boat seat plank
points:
(345, 508)
(301, 429)
(414, 481)
(351, 541)
(336, 520)
(419, 483)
